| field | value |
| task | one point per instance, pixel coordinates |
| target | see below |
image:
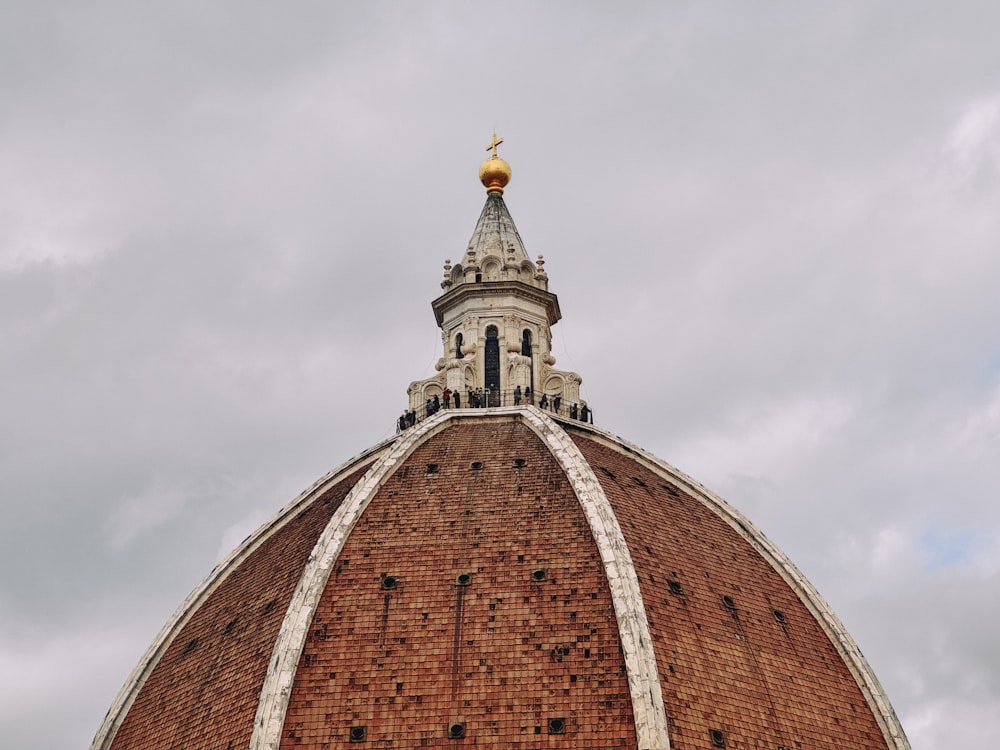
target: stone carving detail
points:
(491, 269)
(560, 383)
(546, 344)
(512, 333)
(518, 370)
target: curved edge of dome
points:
(277, 690)
(848, 649)
(137, 678)
(388, 455)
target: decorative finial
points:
(494, 173)
(493, 145)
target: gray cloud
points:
(773, 232)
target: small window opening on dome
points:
(779, 616)
(718, 738)
(608, 472)
(728, 601)
(638, 482)
(456, 730)
(557, 725)
(359, 734)
(463, 579)
(229, 627)
(520, 462)
(390, 582)
(432, 468)
(675, 587)
(539, 574)
(191, 646)
(269, 606)
(476, 465)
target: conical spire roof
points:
(495, 233)
(495, 251)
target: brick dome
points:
(503, 575)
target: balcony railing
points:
(481, 399)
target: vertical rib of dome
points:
(633, 626)
(277, 689)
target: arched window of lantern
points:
(458, 345)
(491, 363)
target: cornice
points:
(484, 289)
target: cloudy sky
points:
(773, 229)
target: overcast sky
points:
(774, 229)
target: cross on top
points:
(493, 145)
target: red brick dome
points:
(501, 573)
(504, 577)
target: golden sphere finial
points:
(494, 173)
